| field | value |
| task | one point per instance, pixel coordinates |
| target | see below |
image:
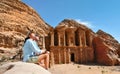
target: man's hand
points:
(43, 51)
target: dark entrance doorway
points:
(72, 57)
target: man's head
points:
(37, 38)
(32, 35)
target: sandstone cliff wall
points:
(16, 18)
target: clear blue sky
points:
(96, 14)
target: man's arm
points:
(35, 48)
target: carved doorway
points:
(72, 57)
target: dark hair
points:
(26, 39)
(28, 36)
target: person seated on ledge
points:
(32, 53)
(36, 40)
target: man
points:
(32, 53)
(36, 41)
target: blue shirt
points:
(30, 47)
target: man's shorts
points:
(33, 59)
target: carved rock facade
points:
(74, 42)
(71, 41)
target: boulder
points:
(22, 68)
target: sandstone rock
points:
(118, 50)
(108, 39)
(103, 53)
(110, 43)
(16, 19)
(22, 68)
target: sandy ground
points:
(84, 69)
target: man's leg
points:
(46, 61)
(44, 57)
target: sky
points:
(96, 14)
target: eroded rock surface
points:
(22, 68)
(16, 19)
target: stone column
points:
(90, 41)
(59, 40)
(81, 53)
(43, 42)
(59, 56)
(85, 40)
(52, 39)
(52, 62)
(86, 53)
(64, 48)
(64, 55)
(69, 55)
(64, 39)
(80, 41)
(76, 56)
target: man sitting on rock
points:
(32, 53)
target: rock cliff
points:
(106, 49)
(16, 19)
